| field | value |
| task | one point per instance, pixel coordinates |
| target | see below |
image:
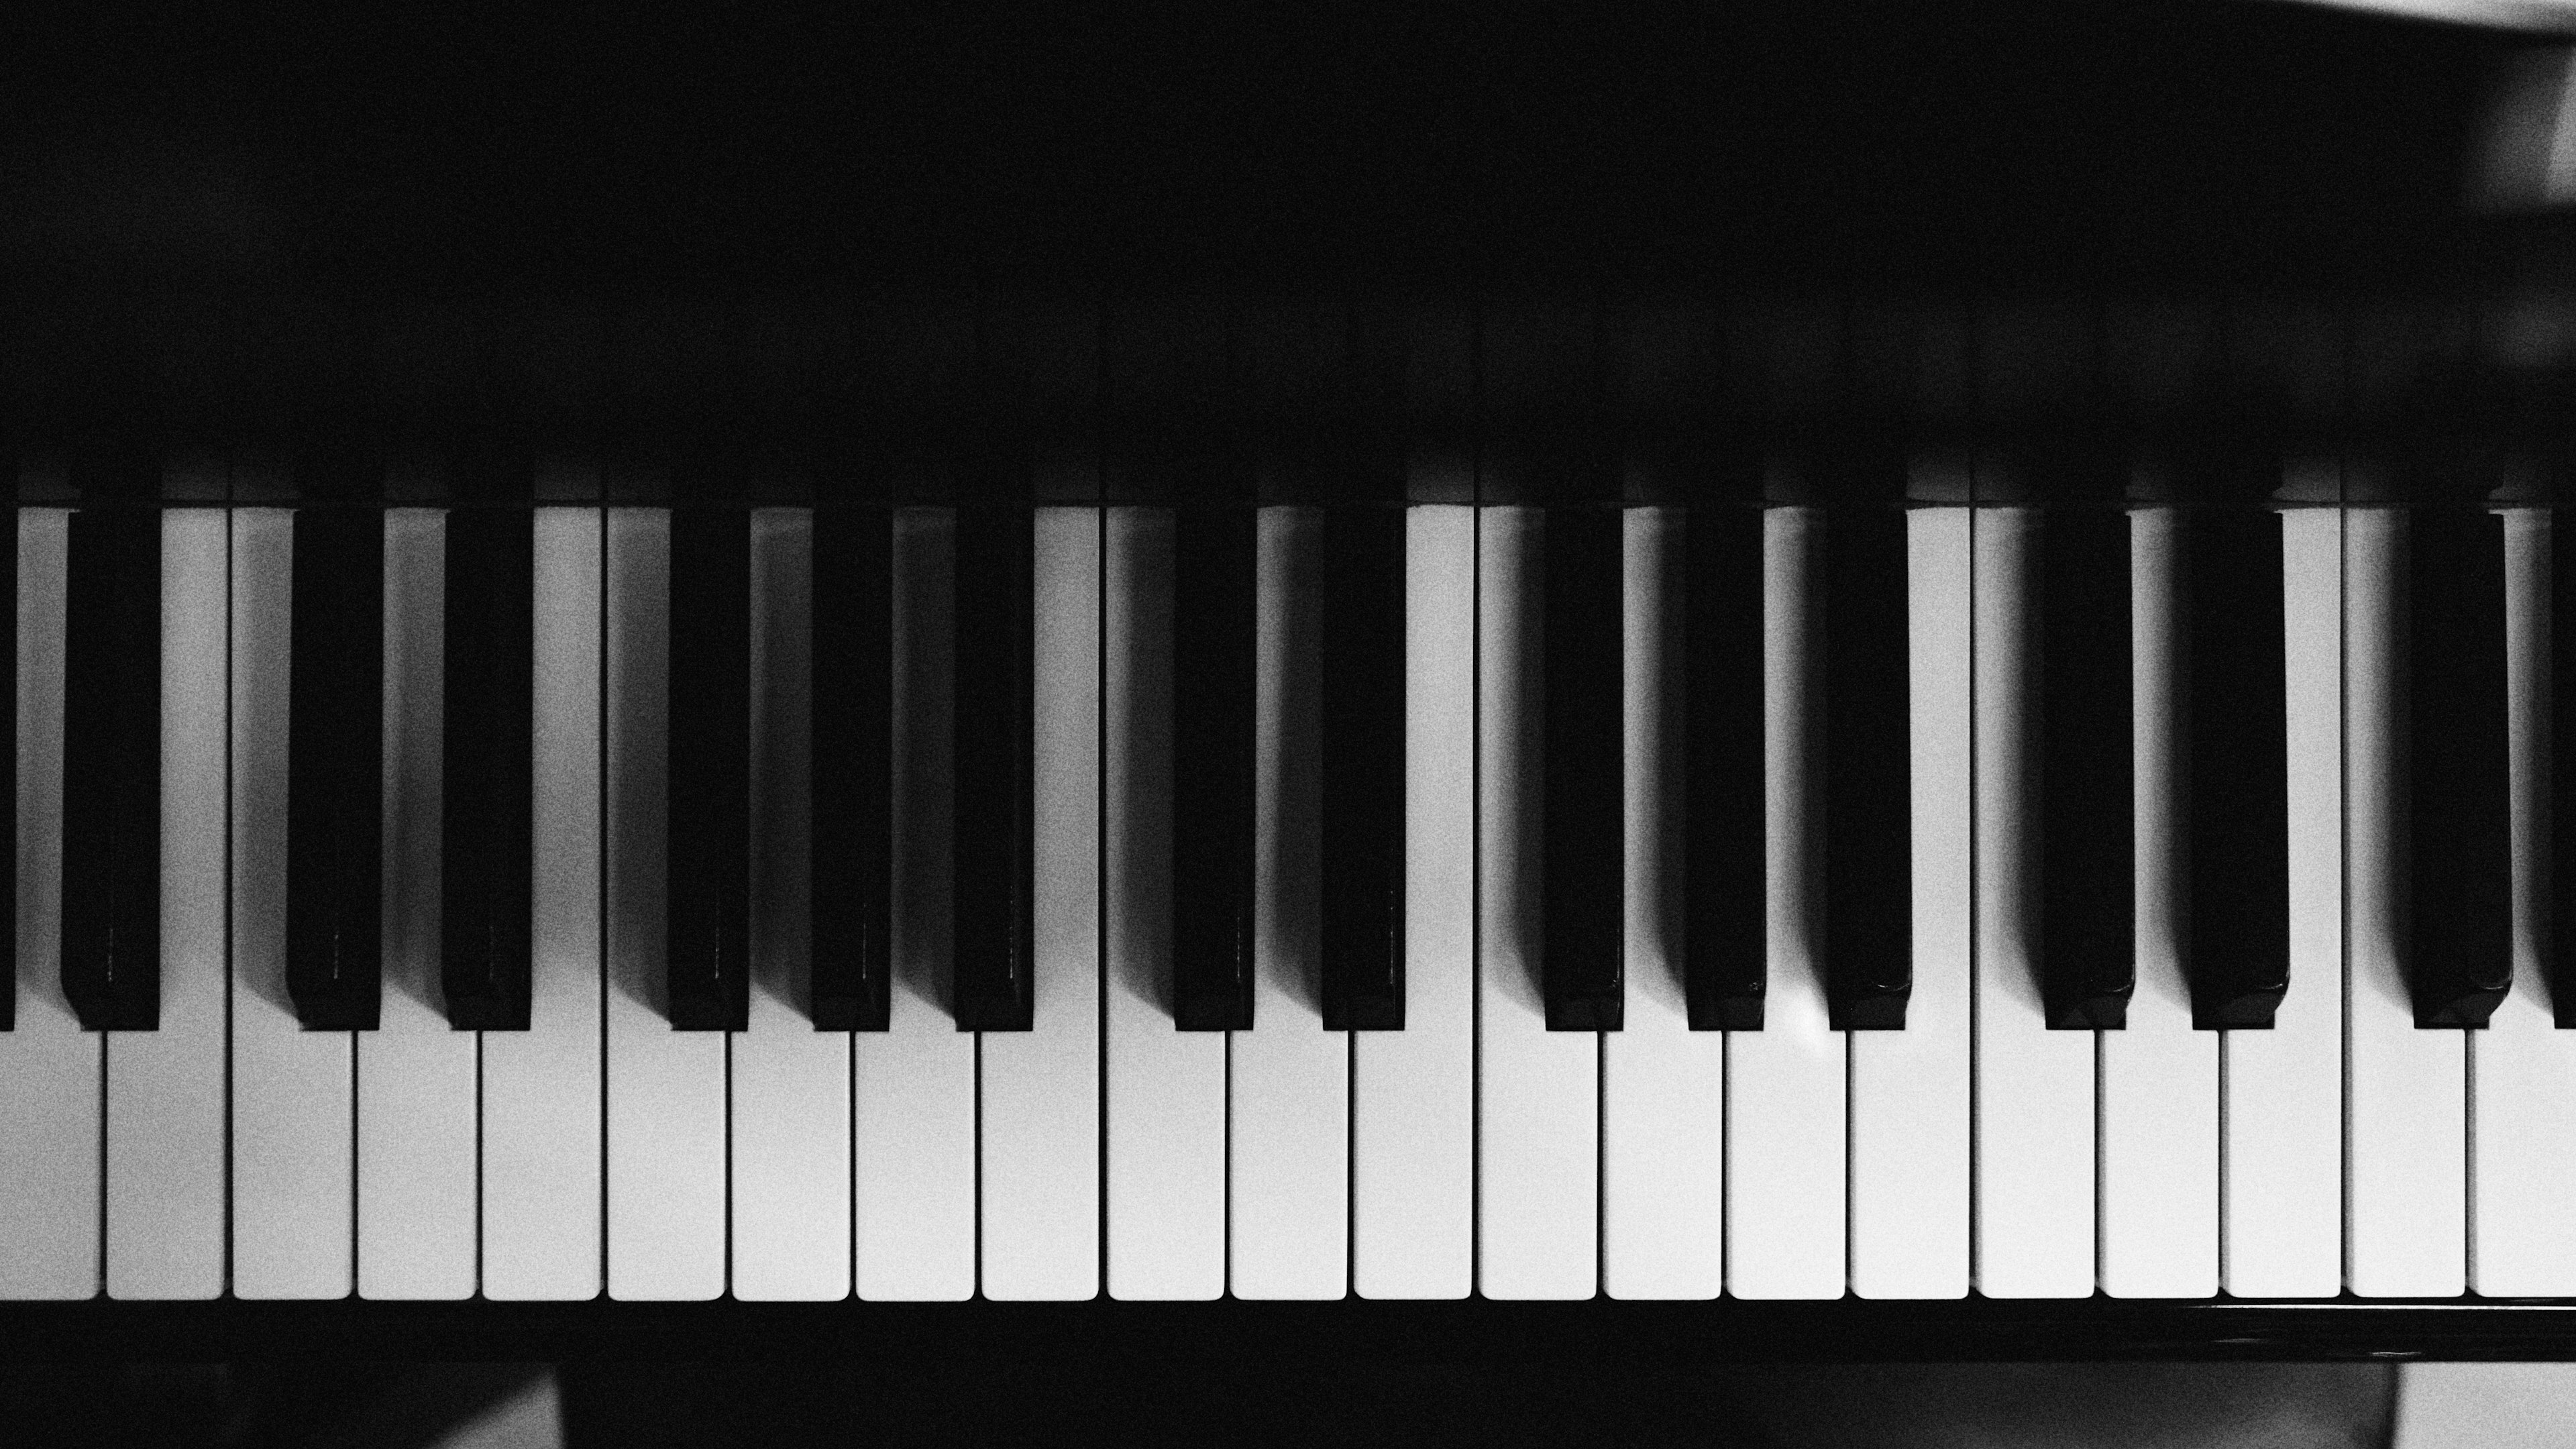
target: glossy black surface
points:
(1584, 851)
(708, 856)
(1868, 768)
(1362, 769)
(2236, 806)
(994, 762)
(335, 770)
(111, 811)
(2085, 730)
(853, 769)
(487, 769)
(1214, 647)
(2460, 835)
(1725, 975)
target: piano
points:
(1304, 690)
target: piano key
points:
(853, 767)
(1537, 1091)
(2087, 866)
(542, 1159)
(1412, 1091)
(165, 1088)
(707, 850)
(2282, 1090)
(1787, 1141)
(1213, 628)
(788, 1100)
(49, 1066)
(2561, 646)
(666, 1087)
(993, 751)
(2237, 893)
(9, 759)
(2034, 1086)
(293, 1147)
(1362, 768)
(2460, 870)
(1910, 1088)
(2159, 1076)
(334, 763)
(1723, 948)
(2405, 1089)
(416, 1075)
(111, 845)
(1288, 1079)
(1868, 934)
(1663, 1085)
(1580, 785)
(913, 1124)
(486, 754)
(2522, 1069)
(1166, 1131)
(1040, 1117)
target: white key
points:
(2281, 1111)
(1909, 1089)
(542, 1158)
(1166, 1087)
(1663, 1140)
(1537, 1092)
(49, 1067)
(416, 1076)
(790, 1098)
(2034, 1138)
(2159, 1077)
(1413, 1091)
(666, 1088)
(1040, 1135)
(293, 1150)
(2407, 1104)
(165, 1088)
(2522, 1069)
(1786, 1134)
(913, 1151)
(1288, 1107)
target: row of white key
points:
(1283, 1162)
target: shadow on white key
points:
(293, 1149)
(1786, 1133)
(2159, 1077)
(2281, 1113)
(1537, 1092)
(1413, 1091)
(542, 1158)
(49, 1068)
(1909, 1089)
(2407, 1103)
(2522, 1068)
(2034, 1088)
(1040, 1133)
(1288, 1107)
(1166, 1137)
(666, 1088)
(416, 1077)
(912, 1156)
(165, 1088)
(790, 1092)
(1663, 1139)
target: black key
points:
(1362, 776)
(707, 881)
(486, 799)
(1868, 770)
(995, 823)
(1584, 862)
(2460, 936)
(1723, 929)
(9, 772)
(2237, 806)
(2562, 773)
(853, 781)
(1213, 643)
(2088, 910)
(111, 903)
(335, 770)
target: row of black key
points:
(2236, 851)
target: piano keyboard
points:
(1541, 1069)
